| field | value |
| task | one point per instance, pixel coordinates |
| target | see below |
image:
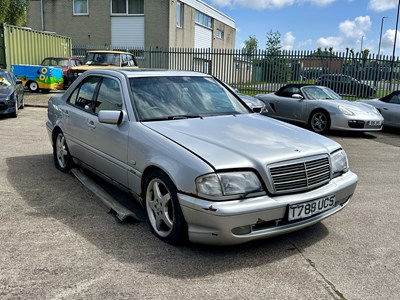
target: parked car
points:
(11, 94)
(320, 108)
(103, 59)
(65, 63)
(389, 107)
(346, 85)
(204, 166)
(255, 104)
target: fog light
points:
(241, 230)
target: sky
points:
(310, 24)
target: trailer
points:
(39, 78)
(24, 46)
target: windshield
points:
(319, 93)
(180, 97)
(55, 62)
(102, 59)
(4, 82)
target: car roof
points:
(297, 85)
(143, 72)
(60, 57)
(109, 51)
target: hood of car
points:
(355, 107)
(248, 140)
(5, 91)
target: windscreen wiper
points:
(175, 117)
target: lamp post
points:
(362, 39)
(394, 46)
(380, 37)
(379, 54)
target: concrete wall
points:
(228, 42)
(156, 16)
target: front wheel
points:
(319, 122)
(61, 155)
(15, 113)
(33, 86)
(163, 210)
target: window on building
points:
(81, 7)
(219, 34)
(203, 19)
(179, 14)
(127, 7)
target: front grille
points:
(3, 106)
(300, 176)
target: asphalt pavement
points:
(57, 240)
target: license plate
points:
(309, 208)
(374, 123)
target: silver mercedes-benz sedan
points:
(204, 166)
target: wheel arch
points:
(146, 173)
(319, 109)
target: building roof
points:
(210, 11)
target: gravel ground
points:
(59, 242)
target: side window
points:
(83, 95)
(124, 60)
(395, 99)
(131, 62)
(109, 96)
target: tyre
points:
(163, 210)
(15, 113)
(319, 122)
(33, 86)
(22, 104)
(61, 155)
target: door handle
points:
(65, 112)
(91, 124)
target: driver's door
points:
(291, 104)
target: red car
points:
(65, 63)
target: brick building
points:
(135, 23)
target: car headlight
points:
(228, 184)
(339, 161)
(345, 111)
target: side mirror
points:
(297, 96)
(113, 117)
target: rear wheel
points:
(163, 210)
(319, 122)
(61, 155)
(33, 86)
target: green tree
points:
(273, 45)
(13, 12)
(250, 46)
(276, 68)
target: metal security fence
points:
(353, 75)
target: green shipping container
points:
(20, 45)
